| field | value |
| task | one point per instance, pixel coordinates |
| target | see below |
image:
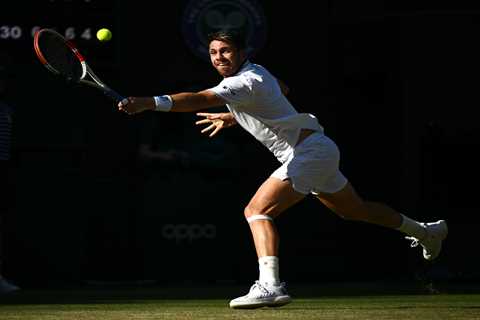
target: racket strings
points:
(59, 56)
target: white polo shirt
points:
(256, 101)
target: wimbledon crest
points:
(202, 17)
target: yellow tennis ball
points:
(104, 34)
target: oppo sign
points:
(189, 232)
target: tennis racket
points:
(62, 58)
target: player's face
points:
(225, 57)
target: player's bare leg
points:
(271, 199)
(349, 205)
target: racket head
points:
(59, 55)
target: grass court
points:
(359, 301)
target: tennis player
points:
(309, 160)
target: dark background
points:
(394, 83)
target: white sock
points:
(269, 270)
(412, 228)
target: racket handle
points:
(113, 95)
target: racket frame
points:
(86, 69)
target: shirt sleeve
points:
(235, 90)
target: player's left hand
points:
(216, 121)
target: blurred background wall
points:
(100, 195)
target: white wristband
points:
(163, 103)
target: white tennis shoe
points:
(262, 296)
(432, 242)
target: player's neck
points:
(240, 66)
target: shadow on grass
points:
(105, 293)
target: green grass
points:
(157, 303)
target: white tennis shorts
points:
(313, 166)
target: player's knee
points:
(249, 211)
(253, 215)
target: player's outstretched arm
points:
(215, 122)
(179, 102)
(192, 102)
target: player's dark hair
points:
(233, 37)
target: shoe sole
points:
(278, 302)
(442, 225)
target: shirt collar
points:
(245, 64)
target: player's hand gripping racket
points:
(62, 57)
